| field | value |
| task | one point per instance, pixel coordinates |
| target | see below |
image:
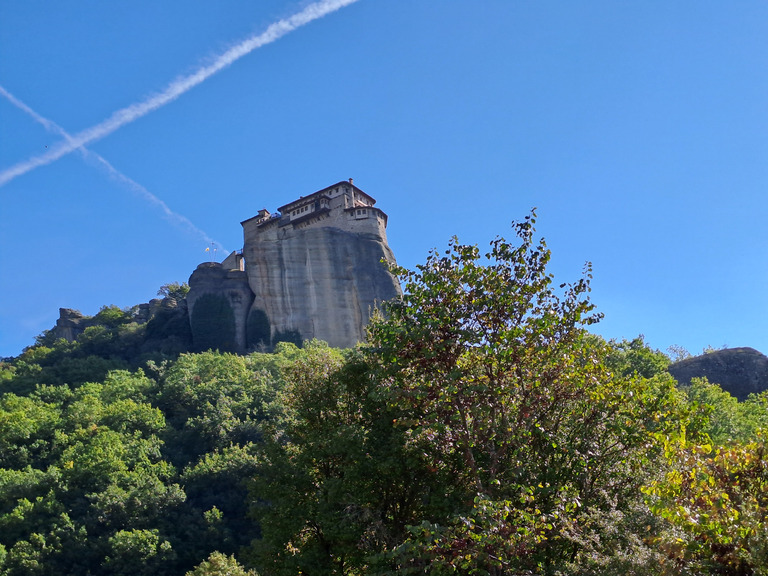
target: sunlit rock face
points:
(739, 371)
(322, 282)
(316, 269)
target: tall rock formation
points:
(316, 269)
(218, 303)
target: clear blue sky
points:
(638, 128)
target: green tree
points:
(722, 417)
(508, 395)
(139, 552)
(630, 357)
(218, 564)
(111, 317)
(174, 291)
(214, 400)
(509, 444)
(217, 485)
(337, 483)
(716, 503)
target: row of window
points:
(301, 210)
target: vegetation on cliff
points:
(481, 430)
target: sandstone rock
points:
(739, 371)
(211, 279)
(316, 269)
(70, 325)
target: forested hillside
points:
(480, 430)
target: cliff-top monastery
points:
(314, 269)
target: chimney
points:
(350, 181)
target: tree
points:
(218, 564)
(506, 393)
(678, 353)
(722, 417)
(480, 431)
(111, 317)
(716, 503)
(630, 357)
(139, 552)
(337, 484)
(174, 291)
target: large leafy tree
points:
(482, 430)
(505, 392)
(332, 486)
(131, 475)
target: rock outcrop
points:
(316, 269)
(164, 326)
(739, 371)
(219, 301)
(70, 325)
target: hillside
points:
(482, 429)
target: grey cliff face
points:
(322, 282)
(70, 324)
(317, 269)
(739, 371)
(231, 302)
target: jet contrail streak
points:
(113, 172)
(176, 88)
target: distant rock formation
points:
(739, 371)
(316, 269)
(165, 322)
(70, 325)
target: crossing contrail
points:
(176, 88)
(52, 127)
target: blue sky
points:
(639, 130)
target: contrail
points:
(113, 172)
(176, 88)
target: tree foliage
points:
(716, 502)
(219, 564)
(338, 482)
(510, 445)
(635, 357)
(509, 396)
(174, 291)
(131, 475)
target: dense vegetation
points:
(481, 430)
